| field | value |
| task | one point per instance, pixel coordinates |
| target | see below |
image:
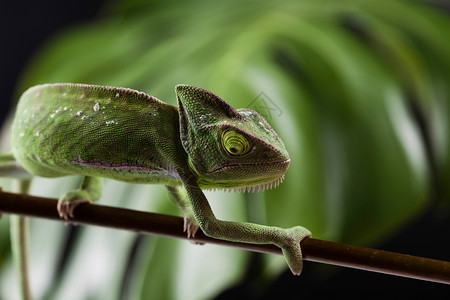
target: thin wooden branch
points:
(171, 226)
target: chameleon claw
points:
(70, 200)
(191, 227)
(66, 208)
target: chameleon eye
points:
(234, 143)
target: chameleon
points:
(97, 132)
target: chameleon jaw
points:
(281, 163)
(252, 188)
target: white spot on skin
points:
(21, 134)
(79, 113)
(37, 133)
(96, 107)
(117, 95)
(84, 117)
(52, 116)
(246, 113)
(65, 108)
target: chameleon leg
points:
(181, 200)
(287, 239)
(90, 191)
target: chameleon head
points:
(229, 148)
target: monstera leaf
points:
(358, 91)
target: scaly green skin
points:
(66, 129)
(122, 134)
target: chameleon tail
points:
(19, 237)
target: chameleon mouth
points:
(281, 163)
(255, 184)
(252, 188)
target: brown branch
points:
(170, 226)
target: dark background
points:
(26, 27)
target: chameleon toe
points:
(190, 227)
(66, 208)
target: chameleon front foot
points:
(291, 248)
(190, 227)
(68, 203)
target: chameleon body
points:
(126, 135)
(64, 129)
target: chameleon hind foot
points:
(90, 191)
(291, 248)
(68, 203)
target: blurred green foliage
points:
(358, 90)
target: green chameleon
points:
(126, 135)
